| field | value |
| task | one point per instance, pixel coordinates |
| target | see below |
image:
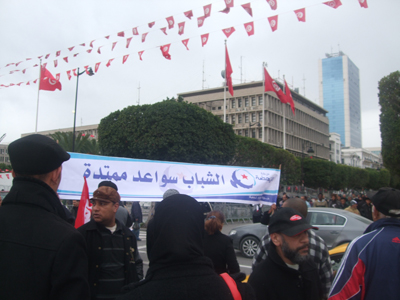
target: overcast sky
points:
(33, 28)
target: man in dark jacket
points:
(114, 259)
(41, 255)
(288, 272)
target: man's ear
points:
(276, 239)
(116, 206)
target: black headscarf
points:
(175, 234)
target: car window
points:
(321, 218)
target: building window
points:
(240, 132)
(246, 102)
(253, 101)
(253, 117)
(233, 119)
(233, 103)
(239, 102)
(260, 100)
(219, 107)
(1, 151)
(213, 108)
(226, 119)
(246, 118)
(260, 131)
(260, 116)
(253, 133)
(240, 118)
(246, 132)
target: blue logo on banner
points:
(243, 179)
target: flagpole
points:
(37, 105)
(284, 120)
(225, 88)
(263, 106)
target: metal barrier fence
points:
(234, 212)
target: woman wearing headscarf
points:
(178, 268)
(219, 247)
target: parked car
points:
(336, 227)
(336, 255)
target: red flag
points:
(19, 84)
(228, 71)
(273, 4)
(301, 14)
(48, 82)
(204, 39)
(55, 63)
(98, 50)
(207, 10)
(91, 43)
(85, 207)
(18, 63)
(76, 54)
(334, 3)
(363, 3)
(28, 83)
(273, 21)
(164, 29)
(171, 22)
(165, 50)
(66, 59)
(74, 72)
(181, 27)
(113, 46)
(87, 69)
(186, 42)
(271, 86)
(226, 10)
(23, 71)
(109, 62)
(151, 24)
(44, 65)
(71, 48)
(107, 37)
(228, 31)
(58, 53)
(125, 58)
(140, 54)
(83, 44)
(121, 34)
(135, 31)
(89, 50)
(289, 98)
(144, 36)
(188, 14)
(128, 41)
(200, 21)
(69, 74)
(229, 3)
(46, 57)
(96, 67)
(249, 28)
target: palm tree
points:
(83, 143)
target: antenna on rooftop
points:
(203, 79)
(304, 85)
(241, 70)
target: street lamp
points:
(88, 71)
(310, 152)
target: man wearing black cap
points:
(370, 268)
(41, 255)
(288, 272)
(114, 259)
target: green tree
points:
(170, 131)
(389, 100)
(4, 167)
(290, 166)
(83, 144)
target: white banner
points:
(147, 180)
(5, 181)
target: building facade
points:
(335, 148)
(339, 90)
(90, 130)
(4, 157)
(361, 158)
(246, 111)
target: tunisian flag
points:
(85, 207)
(48, 82)
(271, 86)
(228, 71)
(289, 98)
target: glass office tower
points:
(340, 95)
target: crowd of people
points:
(42, 256)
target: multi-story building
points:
(335, 148)
(361, 158)
(4, 158)
(246, 111)
(339, 90)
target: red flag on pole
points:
(140, 54)
(200, 21)
(181, 27)
(144, 36)
(249, 28)
(247, 8)
(273, 22)
(289, 98)
(363, 3)
(301, 14)
(204, 39)
(48, 82)
(85, 207)
(228, 71)
(164, 29)
(207, 10)
(228, 31)
(165, 51)
(171, 22)
(273, 4)
(334, 3)
(186, 42)
(271, 86)
(135, 31)
(188, 14)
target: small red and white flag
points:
(181, 27)
(135, 31)
(301, 14)
(128, 41)
(200, 21)
(55, 63)
(228, 71)
(228, 31)
(125, 58)
(165, 51)
(151, 24)
(121, 34)
(58, 53)
(107, 37)
(140, 54)
(83, 44)
(273, 22)
(96, 67)
(69, 74)
(171, 22)
(113, 45)
(229, 3)
(164, 29)
(273, 4)
(98, 50)
(249, 28)
(48, 82)
(66, 59)
(207, 10)
(247, 7)
(204, 39)
(186, 42)
(85, 207)
(188, 14)
(91, 43)
(144, 37)
(71, 48)
(89, 50)
(334, 3)
(289, 98)
(109, 62)
(76, 54)
(74, 72)
(363, 3)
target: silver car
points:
(336, 227)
